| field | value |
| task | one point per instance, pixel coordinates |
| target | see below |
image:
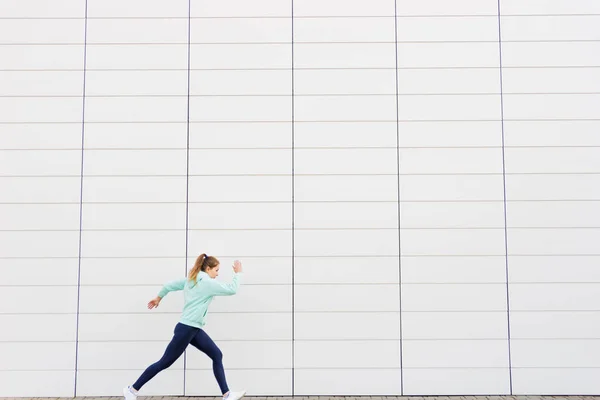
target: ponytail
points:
(203, 262)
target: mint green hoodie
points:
(198, 296)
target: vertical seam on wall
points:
(504, 201)
(187, 168)
(398, 186)
(293, 219)
(80, 204)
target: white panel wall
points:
(240, 187)
(452, 239)
(40, 166)
(411, 186)
(551, 110)
(346, 228)
(134, 191)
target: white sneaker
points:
(129, 395)
(232, 395)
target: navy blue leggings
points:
(184, 335)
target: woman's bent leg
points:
(206, 345)
(182, 336)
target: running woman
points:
(199, 289)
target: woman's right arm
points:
(172, 286)
(167, 287)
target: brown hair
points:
(203, 262)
